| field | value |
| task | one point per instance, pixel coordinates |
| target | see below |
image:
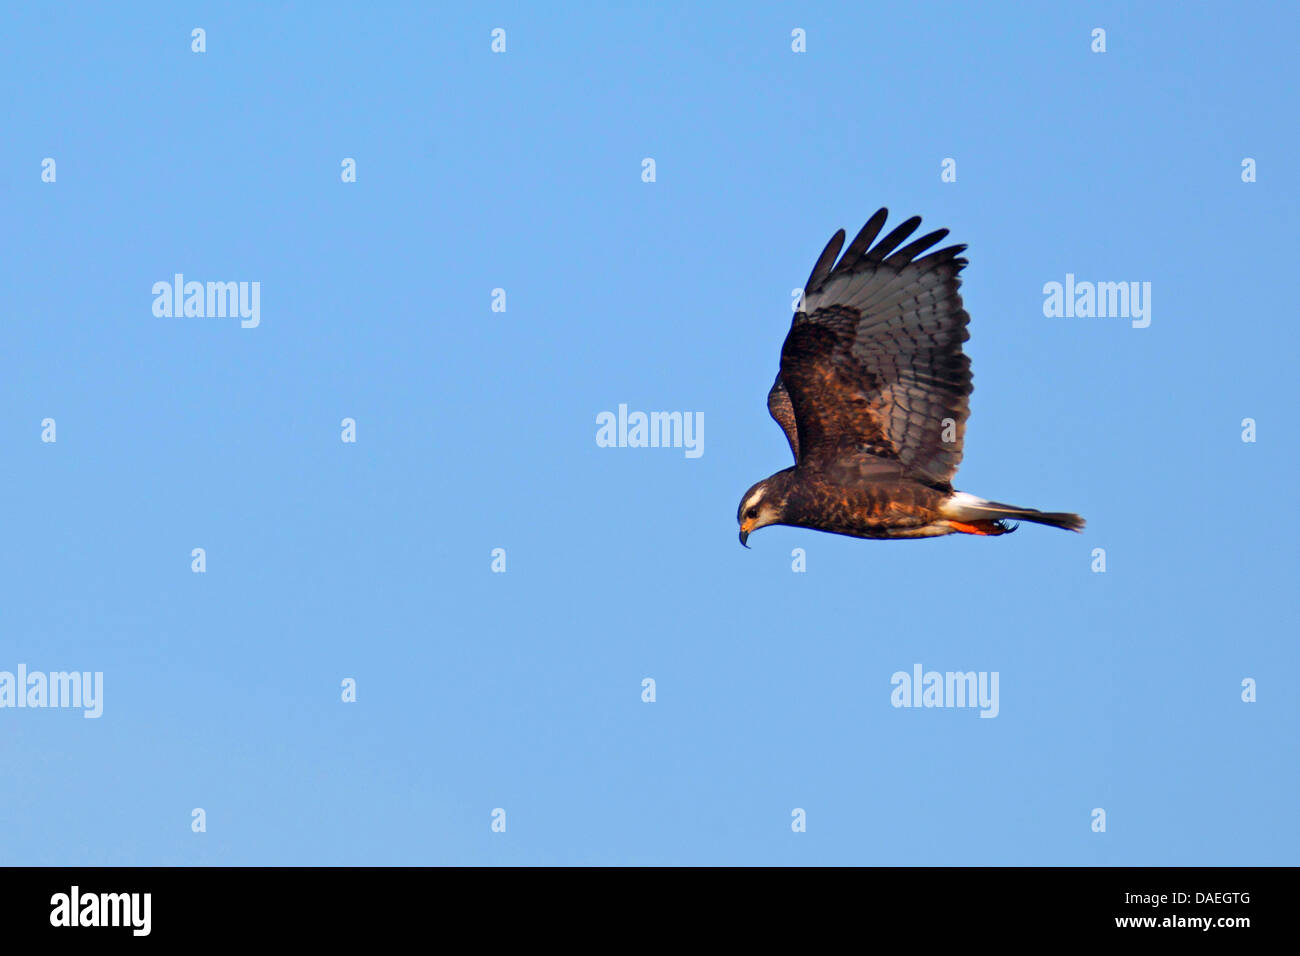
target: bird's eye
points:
(751, 514)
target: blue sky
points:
(476, 430)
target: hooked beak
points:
(744, 533)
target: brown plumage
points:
(873, 395)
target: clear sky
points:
(476, 429)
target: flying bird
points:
(873, 395)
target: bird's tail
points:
(976, 513)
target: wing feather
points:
(865, 237)
(887, 245)
(873, 365)
(779, 407)
(827, 259)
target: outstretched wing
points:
(873, 364)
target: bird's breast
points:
(866, 509)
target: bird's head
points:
(761, 506)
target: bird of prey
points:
(873, 394)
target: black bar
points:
(382, 904)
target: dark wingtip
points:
(892, 241)
(865, 237)
(822, 269)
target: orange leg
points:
(977, 527)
